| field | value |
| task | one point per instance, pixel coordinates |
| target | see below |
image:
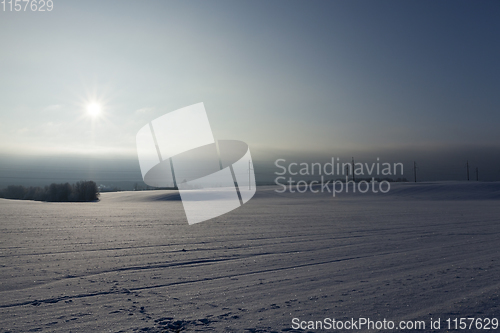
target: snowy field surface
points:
(131, 262)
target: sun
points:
(94, 110)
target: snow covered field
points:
(132, 263)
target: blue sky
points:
(297, 79)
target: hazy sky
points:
(293, 79)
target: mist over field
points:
(123, 171)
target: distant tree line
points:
(81, 191)
(378, 179)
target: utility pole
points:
(477, 174)
(415, 170)
(467, 170)
(249, 180)
(353, 179)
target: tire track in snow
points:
(130, 290)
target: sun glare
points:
(93, 109)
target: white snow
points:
(132, 263)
